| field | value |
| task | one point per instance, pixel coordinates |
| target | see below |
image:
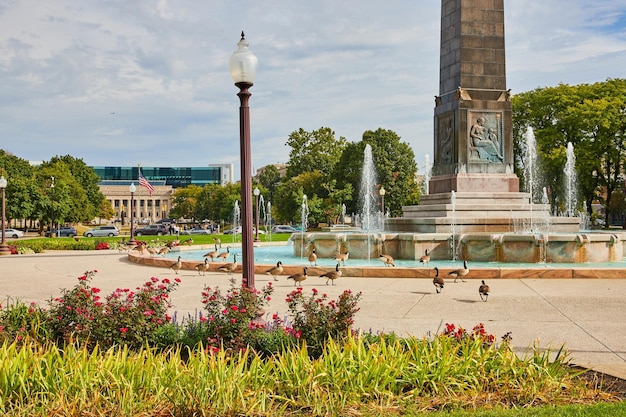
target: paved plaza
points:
(588, 316)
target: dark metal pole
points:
(132, 219)
(4, 249)
(256, 233)
(247, 248)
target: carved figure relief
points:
(446, 141)
(485, 143)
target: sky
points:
(121, 83)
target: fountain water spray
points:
(428, 168)
(570, 179)
(304, 220)
(370, 214)
(267, 220)
(236, 219)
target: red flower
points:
(123, 329)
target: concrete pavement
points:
(588, 316)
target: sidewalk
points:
(587, 315)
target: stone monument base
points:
(480, 212)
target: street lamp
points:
(256, 195)
(4, 249)
(242, 66)
(122, 213)
(382, 193)
(52, 205)
(132, 190)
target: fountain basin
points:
(594, 247)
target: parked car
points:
(101, 231)
(152, 230)
(196, 231)
(283, 228)
(64, 231)
(13, 233)
(238, 229)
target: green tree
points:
(316, 150)
(217, 203)
(591, 117)
(184, 202)
(395, 166)
(20, 192)
(270, 180)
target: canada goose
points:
(224, 255)
(152, 251)
(164, 250)
(438, 281)
(275, 270)
(229, 267)
(313, 258)
(460, 273)
(483, 290)
(332, 275)
(387, 260)
(342, 257)
(426, 258)
(218, 242)
(188, 242)
(176, 266)
(298, 278)
(213, 254)
(203, 267)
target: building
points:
(115, 182)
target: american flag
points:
(143, 181)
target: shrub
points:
(316, 318)
(102, 246)
(125, 317)
(233, 318)
(19, 321)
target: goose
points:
(313, 258)
(438, 281)
(460, 273)
(342, 257)
(152, 251)
(213, 254)
(298, 278)
(229, 267)
(203, 267)
(275, 270)
(332, 275)
(164, 250)
(426, 258)
(188, 242)
(176, 266)
(224, 255)
(483, 290)
(387, 260)
(218, 242)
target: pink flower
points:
(123, 329)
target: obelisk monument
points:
(473, 137)
(473, 188)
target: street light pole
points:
(132, 190)
(4, 249)
(256, 195)
(52, 201)
(242, 66)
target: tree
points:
(184, 202)
(316, 150)
(270, 179)
(395, 166)
(591, 117)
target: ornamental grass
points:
(358, 376)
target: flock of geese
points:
(298, 278)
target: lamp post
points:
(4, 249)
(382, 193)
(52, 205)
(242, 66)
(122, 214)
(132, 190)
(256, 195)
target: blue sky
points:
(118, 82)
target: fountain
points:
(267, 220)
(428, 167)
(236, 219)
(570, 182)
(370, 215)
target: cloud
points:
(161, 67)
